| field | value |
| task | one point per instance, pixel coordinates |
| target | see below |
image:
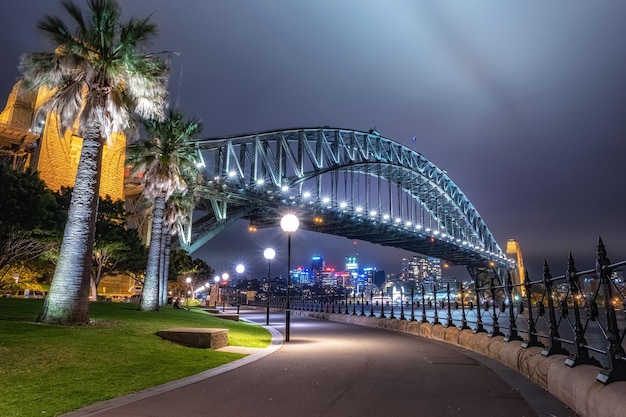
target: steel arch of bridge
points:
(342, 182)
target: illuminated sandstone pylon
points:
(29, 138)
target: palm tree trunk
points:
(166, 266)
(150, 295)
(162, 289)
(68, 299)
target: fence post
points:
(554, 344)
(463, 316)
(362, 305)
(479, 318)
(581, 353)
(436, 316)
(449, 318)
(382, 306)
(616, 369)
(496, 326)
(424, 319)
(532, 330)
(413, 302)
(513, 335)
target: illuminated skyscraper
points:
(419, 268)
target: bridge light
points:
(284, 188)
(398, 219)
(373, 213)
(232, 174)
(343, 204)
(359, 209)
(260, 181)
(306, 194)
(428, 229)
(443, 235)
(436, 232)
(408, 224)
(418, 226)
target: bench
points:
(197, 337)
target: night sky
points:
(522, 103)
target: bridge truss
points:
(342, 182)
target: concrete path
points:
(332, 369)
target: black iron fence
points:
(555, 313)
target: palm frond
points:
(102, 55)
(168, 160)
(77, 14)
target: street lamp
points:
(240, 268)
(289, 223)
(216, 279)
(224, 278)
(269, 254)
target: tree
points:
(117, 248)
(30, 219)
(168, 162)
(99, 77)
(183, 266)
(26, 203)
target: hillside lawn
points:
(47, 370)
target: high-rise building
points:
(352, 263)
(317, 266)
(419, 268)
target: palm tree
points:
(99, 77)
(167, 161)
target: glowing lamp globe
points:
(289, 223)
(269, 254)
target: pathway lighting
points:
(289, 223)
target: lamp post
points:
(225, 279)
(269, 254)
(289, 223)
(216, 279)
(240, 269)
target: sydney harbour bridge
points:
(343, 182)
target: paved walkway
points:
(332, 369)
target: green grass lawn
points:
(46, 370)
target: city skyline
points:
(520, 103)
